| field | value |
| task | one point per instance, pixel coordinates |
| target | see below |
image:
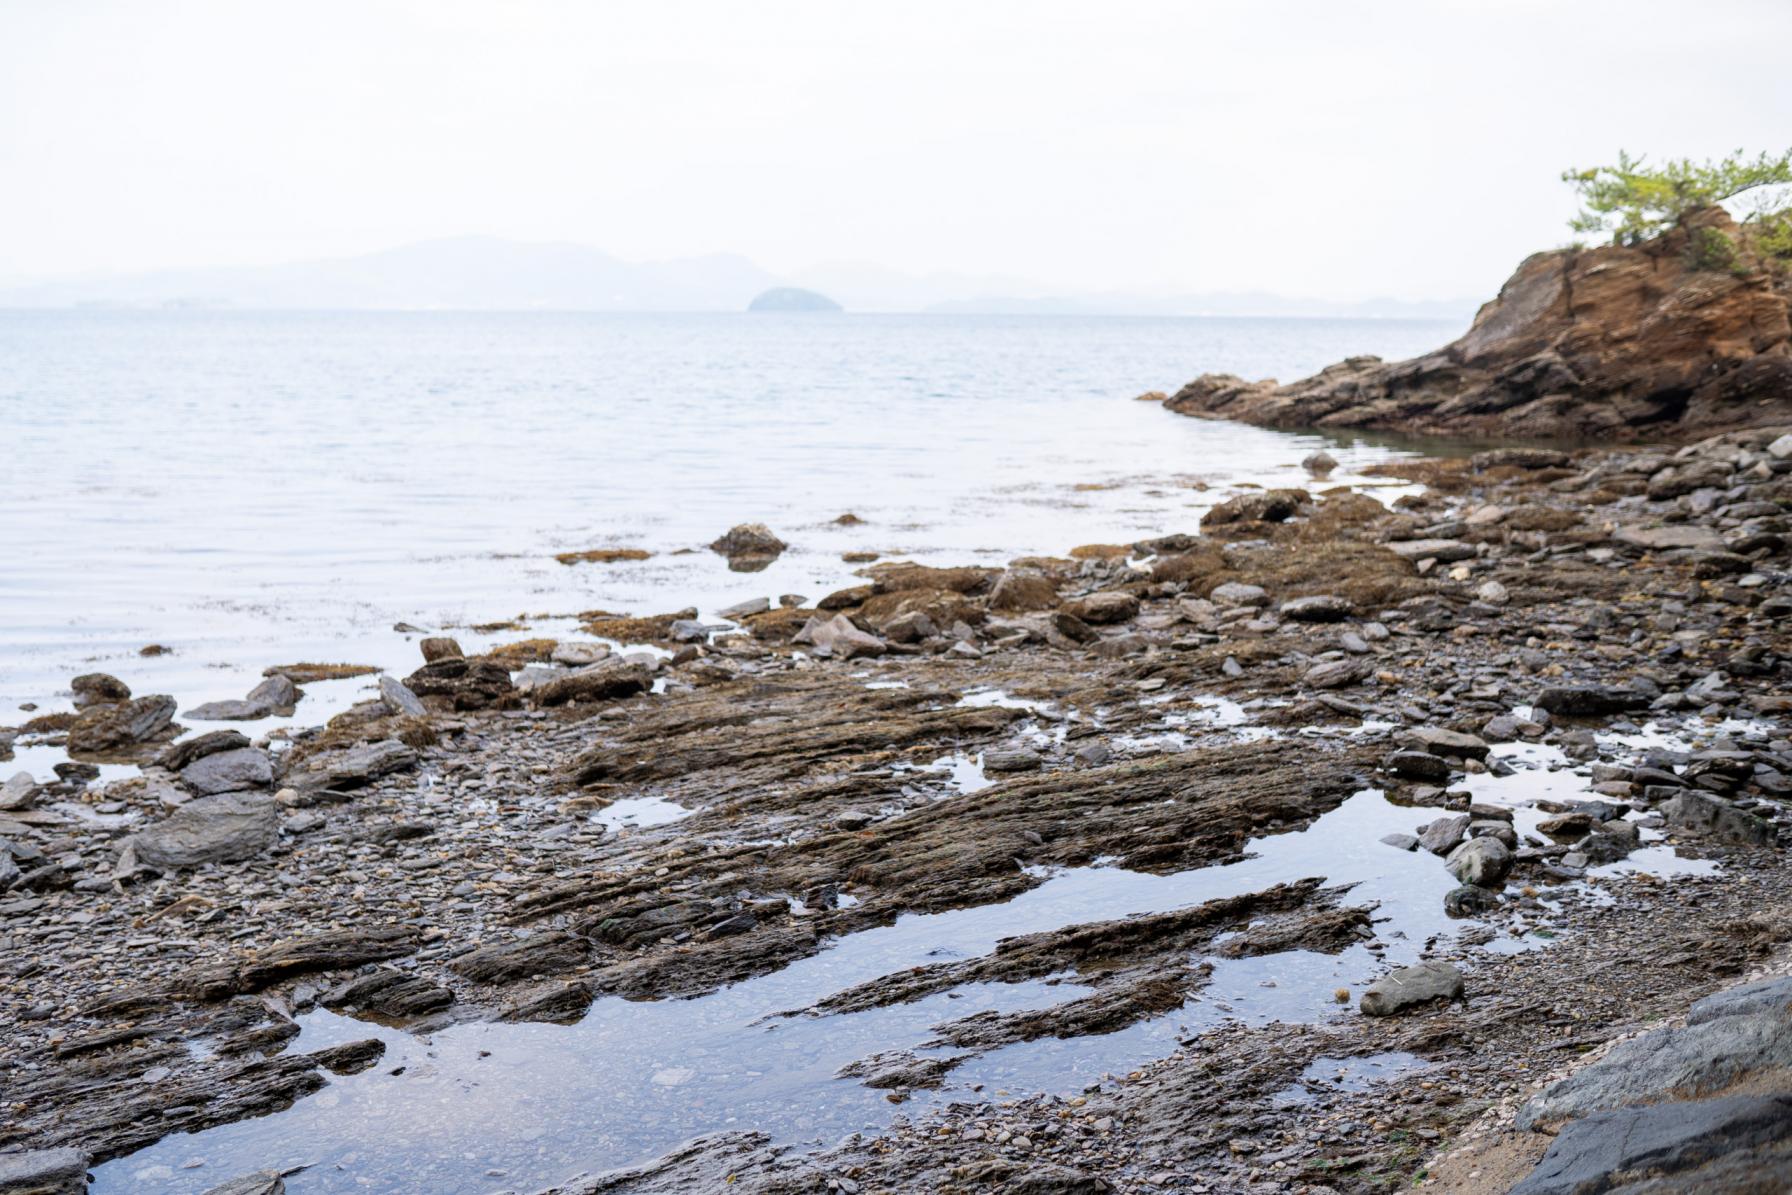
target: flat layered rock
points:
(1411, 987)
(222, 828)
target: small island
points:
(792, 298)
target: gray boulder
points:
(216, 829)
(1237, 593)
(352, 767)
(1606, 1151)
(398, 698)
(1410, 987)
(229, 771)
(1701, 813)
(1322, 607)
(605, 681)
(44, 1172)
(18, 792)
(103, 728)
(1483, 862)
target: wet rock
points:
(1073, 628)
(229, 771)
(179, 755)
(1317, 608)
(546, 953)
(440, 647)
(839, 637)
(1411, 987)
(1469, 901)
(1589, 700)
(352, 767)
(1105, 608)
(98, 688)
(1418, 765)
(463, 684)
(1692, 536)
(44, 1172)
(1238, 594)
(749, 543)
(1671, 1144)
(399, 700)
(1701, 813)
(274, 695)
(1401, 842)
(102, 728)
(1483, 862)
(1319, 464)
(333, 951)
(262, 1182)
(1444, 835)
(217, 829)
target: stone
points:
(1022, 591)
(1700, 813)
(1599, 1152)
(102, 728)
(463, 684)
(229, 771)
(1441, 741)
(1105, 608)
(18, 792)
(1401, 842)
(44, 1172)
(98, 688)
(440, 647)
(1483, 862)
(839, 637)
(1444, 835)
(1418, 765)
(1336, 674)
(1589, 700)
(1691, 536)
(1271, 506)
(351, 767)
(740, 610)
(608, 680)
(1317, 608)
(1442, 550)
(1493, 593)
(1021, 759)
(748, 539)
(1319, 464)
(1238, 594)
(1410, 987)
(1747, 1042)
(180, 754)
(398, 698)
(1468, 900)
(216, 829)
(578, 655)
(1781, 449)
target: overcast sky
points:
(1309, 147)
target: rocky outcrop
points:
(1618, 342)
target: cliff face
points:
(1611, 343)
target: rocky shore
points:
(1318, 842)
(1631, 343)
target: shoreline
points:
(974, 737)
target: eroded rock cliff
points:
(1618, 342)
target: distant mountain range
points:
(490, 273)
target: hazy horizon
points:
(1295, 148)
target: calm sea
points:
(256, 488)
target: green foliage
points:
(1634, 201)
(1710, 249)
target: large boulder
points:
(1104, 608)
(217, 829)
(605, 681)
(1483, 862)
(1611, 343)
(102, 728)
(229, 771)
(1410, 987)
(838, 637)
(463, 684)
(351, 767)
(1022, 591)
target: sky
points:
(1323, 148)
